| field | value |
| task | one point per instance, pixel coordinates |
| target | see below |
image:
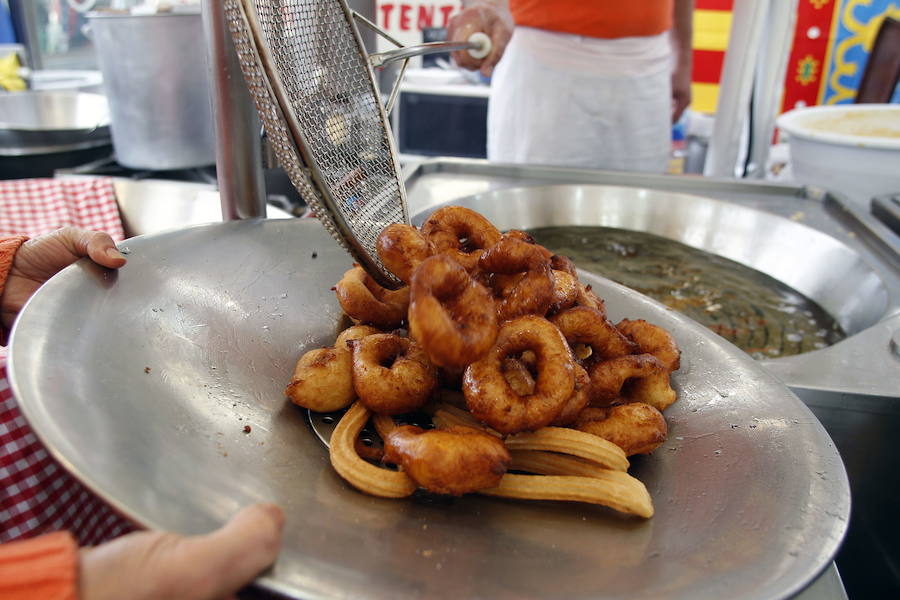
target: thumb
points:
(101, 248)
(153, 565)
(232, 556)
(96, 244)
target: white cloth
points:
(569, 100)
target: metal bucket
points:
(156, 79)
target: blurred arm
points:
(682, 38)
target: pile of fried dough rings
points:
(554, 396)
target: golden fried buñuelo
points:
(652, 339)
(491, 399)
(460, 233)
(637, 428)
(577, 401)
(583, 325)
(451, 315)
(323, 378)
(392, 374)
(365, 301)
(632, 378)
(450, 461)
(530, 292)
(401, 249)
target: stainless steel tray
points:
(141, 382)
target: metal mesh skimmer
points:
(315, 92)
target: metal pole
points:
(747, 20)
(773, 59)
(238, 154)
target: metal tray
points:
(141, 382)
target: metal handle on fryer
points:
(478, 45)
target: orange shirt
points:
(595, 18)
(44, 567)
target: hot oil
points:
(759, 314)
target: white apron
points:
(569, 100)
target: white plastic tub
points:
(853, 149)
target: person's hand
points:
(485, 19)
(681, 89)
(39, 259)
(153, 565)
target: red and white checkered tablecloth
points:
(37, 495)
(35, 206)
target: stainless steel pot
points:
(156, 79)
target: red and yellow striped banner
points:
(712, 23)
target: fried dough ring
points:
(583, 325)
(652, 339)
(617, 490)
(451, 315)
(572, 442)
(519, 377)
(357, 472)
(356, 332)
(524, 236)
(580, 398)
(565, 291)
(491, 399)
(586, 297)
(391, 375)
(531, 290)
(401, 249)
(320, 380)
(323, 378)
(450, 461)
(562, 263)
(367, 302)
(637, 428)
(632, 378)
(460, 233)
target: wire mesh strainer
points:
(313, 86)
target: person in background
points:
(582, 83)
(148, 565)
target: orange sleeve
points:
(8, 248)
(44, 568)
